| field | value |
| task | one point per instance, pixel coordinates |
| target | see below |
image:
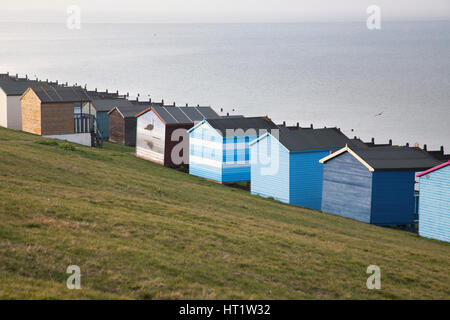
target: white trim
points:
(353, 153)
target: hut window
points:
(77, 109)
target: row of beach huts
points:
(317, 168)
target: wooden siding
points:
(31, 113)
(150, 137)
(205, 152)
(347, 188)
(130, 131)
(57, 118)
(116, 127)
(103, 123)
(434, 205)
(270, 169)
(181, 147)
(393, 197)
(305, 180)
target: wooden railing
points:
(83, 123)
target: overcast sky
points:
(221, 10)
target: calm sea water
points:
(392, 83)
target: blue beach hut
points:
(285, 164)
(219, 148)
(434, 203)
(373, 185)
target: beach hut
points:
(122, 123)
(434, 202)
(158, 138)
(55, 112)
(285, 166)
(11, 90)
(100, 107)
(373, 185)
(219, 148)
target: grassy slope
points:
(138, 230)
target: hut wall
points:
(176, 151)
(347, 188)
(206, 153)
(116, 127)
(3, 109)
(306, 176)
(393, 197)
(103, 124)
(57, 118)
(270, 169)
(150, 137)
(31, 113)
(434, 205)
(130, 131)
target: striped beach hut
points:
(219, 148)
(434, 202)
(285, 164)
(373, 185)
(158, 138)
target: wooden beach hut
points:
(157, 135)
(122, 123)
(434, 202)
(285, 164)
(373, 185)
(11, 90)
(219, 148)
(55, 112)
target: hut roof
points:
(312, 139)
(171, 114)
(16, 87)
(50, 94)
(390, 158)
(108, 104)
(241, 125)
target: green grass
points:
(139, 230)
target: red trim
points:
(143, 111)
(433, 169)
(147, 110)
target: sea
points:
(392, 83)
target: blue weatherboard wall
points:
(223, 159)
(263, 182)
(393, 199)
(434, 205)
(298, 180)
(305, 178)
(347, 188)
(103, 123)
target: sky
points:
(221, 11)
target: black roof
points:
(108, 104)
(312, 139)
(131, 110)
(171, 114)
(17, 86)
(49, 94)
(397, 158)
(241, 124)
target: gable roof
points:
(434, 169)
(102, 105)
(389, 158)
(312, 139)
(242, 124)
(49, 94)
(172, 115)
(129, 111)
(16, 87)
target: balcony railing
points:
(83, 123)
